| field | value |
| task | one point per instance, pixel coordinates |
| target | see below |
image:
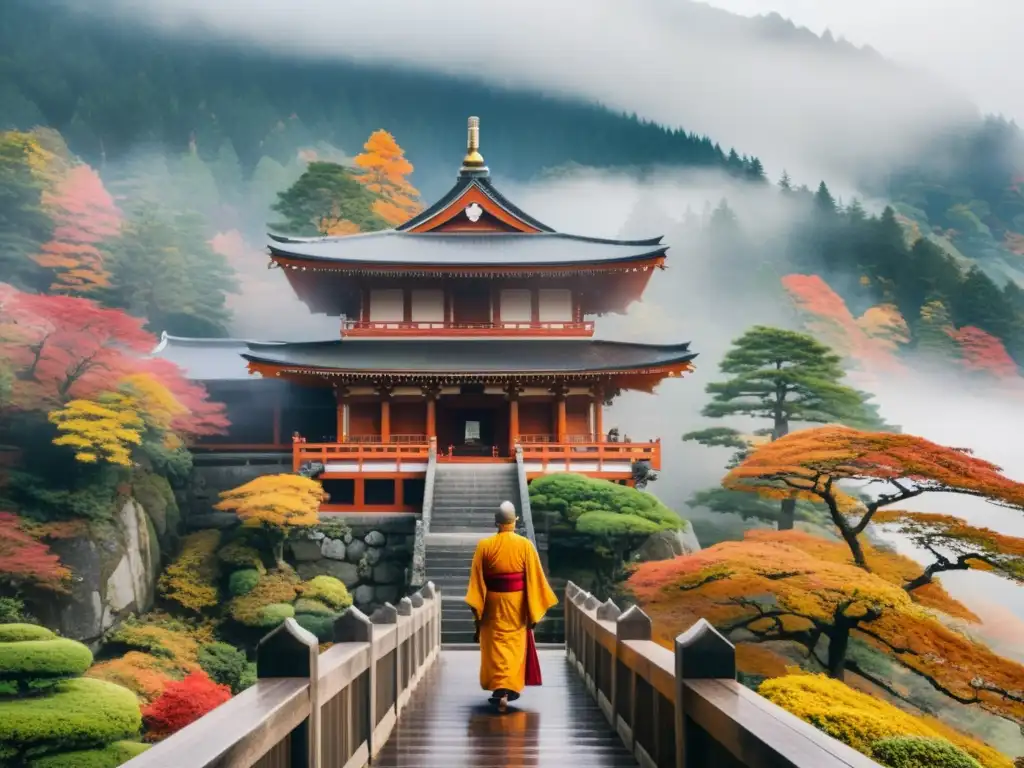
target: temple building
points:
(465, 333)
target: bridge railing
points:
(686, 709)
(313, 710)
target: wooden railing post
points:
(633, 624)
(291, 651)
(701, 654)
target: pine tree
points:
(785, 182)
(755, 171)
(786, 378)
(327, 199)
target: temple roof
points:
(206, 359)
(462, 185)
(456, 357)
(396, 247)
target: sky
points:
(972, 43)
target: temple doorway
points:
(474, 426)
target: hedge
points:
(312, 607)
(110, 756)
(80, 714)
(276, 587)
(329, 590)
(243, 582)
(225, 665)
(17, 633)
(918, 752)
(321, 626)
(43, 659)
(274, 614)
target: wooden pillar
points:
(599, 414)
(560, 417)
(431, 393)
(341, 397)
(512, 392)
(384, 391)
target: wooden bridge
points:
(386, 694)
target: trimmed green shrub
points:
(31, 660)
(12, 610)
(275, 613)
(239, 554)
(328, 590)
(321, 626)
(17, 633)
(80, 714)
(225, 664)
(243, 582)
(312, 607)
(110, 756)
(918, 752)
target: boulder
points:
(387, 573)
(305, 550)
(373, 555)
(363, 595)
(666, 545)
(356, 550)
(333, 549)
(347, 573)
(375, 539)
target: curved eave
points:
(463, 184)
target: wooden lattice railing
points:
(685, 709)
(313, 710)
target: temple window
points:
(555, 305)
(516, 305)
(387, 305)
(428, 306)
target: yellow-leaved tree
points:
(385, 171)
(108, 427)
(276, 504)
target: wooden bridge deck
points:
(448, 723)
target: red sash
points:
(516, 582)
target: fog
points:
(793, 100)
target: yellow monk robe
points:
(506, 616)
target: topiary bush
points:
(191, 580)
(276, 613)
(312, 607)
(276, 587)
(29, 663)
(239, 554)
(243, 582)
(327, 590)
(321, 626)
(110, 756)
(16, 633)
(918, 752)
(78, 714)
(225, 665)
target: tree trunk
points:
(853, 542)
(787, 514)
(279, 553)
(838, 644)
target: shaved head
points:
(506, 513)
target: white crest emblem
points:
(474, 212)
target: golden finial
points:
(473, 161)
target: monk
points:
(508, 594)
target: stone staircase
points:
(466, 496)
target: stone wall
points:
(371, 554)
(115, 570)
(212, 474)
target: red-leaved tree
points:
(84, 215)
(25, 561)
(983, 353)
(182, 703)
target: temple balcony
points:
(400, 328)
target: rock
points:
(375, 539)
(365, 569)
(387, 573)
(305, 551)
(333, 549)
(356, 550)
(347, 573)
(666, 545)
(316, 535)
(373, 555)
(385, 594)
(348, 538)
(120, 590)
(363, 594)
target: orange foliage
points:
(84, 215)
(893, 567)
(386, 172)
(758, 660)
(870, 341)
(145, 675)
(983, 353)
(757, 583)
(810, 464)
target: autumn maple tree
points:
(956, 545)
(84, 216)
(769, 588)
(25, 560)
(386, 174)
(812, 464)
(182, 703)
(783, 377)
(276, 504)
(983, 353)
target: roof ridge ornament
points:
(473, 163)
